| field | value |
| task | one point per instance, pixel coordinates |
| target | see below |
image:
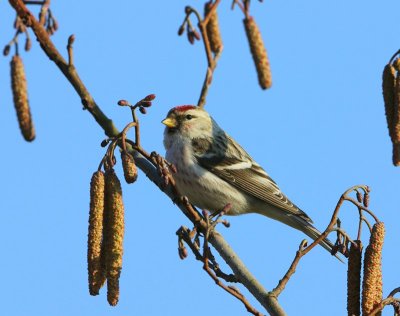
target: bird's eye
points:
(189, 117)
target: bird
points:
(213, 170)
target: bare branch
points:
(211, 61)
(292, 269)
(390, 300)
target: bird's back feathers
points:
(226, 159)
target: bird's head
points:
(188, 121)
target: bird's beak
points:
(170, 122)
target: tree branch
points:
(69, 71)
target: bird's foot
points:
(164, 167)
(215, 217)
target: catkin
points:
(372, 283)
(95, 270)
(388, 91)
(258, 52)
(213, 31)
(20, 95)
(114, 234)
(396, 123)
(129, 167)
(354, 279)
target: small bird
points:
(213, 170)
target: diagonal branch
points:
(69, 71)
(269, 301)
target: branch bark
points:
(267, 300)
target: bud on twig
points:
(104, 142)
(183, 253)
(129, 166)
(190, 36)
(55, 24)
(196, 35)
(366, 200)
(354, 279)
(28, 44)
(150, 97)
(145, 103)
(114, 232)
(213, 32)
(97, 275)
(359, 197)
(6, 50)
(71, 39)
(372, 283)
(123, 103)
(181, 29)
(258, 52)
(20, 94)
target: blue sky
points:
(318, 131)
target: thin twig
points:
(71, 40)
(137, 128)
(303, 250)
(292, 269)
(233, 291)
(207, 81)
(361, 218)
(123, 134)
(34, 2)
(362, 207)
(211, 61)
(387, 301)
(43, 12)
(184, 233)
(343, 233)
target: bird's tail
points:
(308, 229)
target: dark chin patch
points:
(171, 130)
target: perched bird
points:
(214, 170)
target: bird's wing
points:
(229, 161)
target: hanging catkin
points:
(258, 52)
(20, 95)
(114, 234)
(96, 272)
(396, 119)
(354, 279)
(129, 167)
(388, 90)
(372, 283)
(213, 31)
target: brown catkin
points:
(388, 91)
(20, 94)
(114, 234)
(129, 166)
(95, 270)
(258, 52)
(372, 283)
(213, 31)
(395, 130)
(354, 279)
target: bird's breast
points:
(203, 188)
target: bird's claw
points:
(164, 168)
